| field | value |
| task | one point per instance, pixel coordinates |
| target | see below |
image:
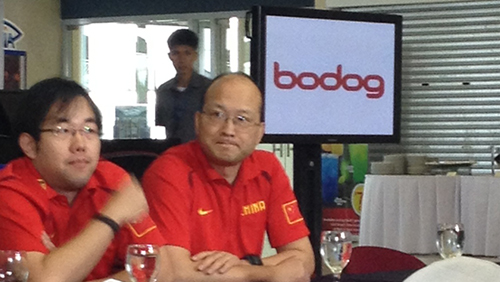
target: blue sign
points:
(11, 34)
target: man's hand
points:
(210, 262)
(128, 205)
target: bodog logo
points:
(350, 82)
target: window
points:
(123, 63)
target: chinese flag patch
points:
(292, 212)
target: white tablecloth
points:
(480, 214)
(462, 269)
(402, 212)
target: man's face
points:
(67, 161)
(224, 139)
(183, 58)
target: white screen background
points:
(318, 46)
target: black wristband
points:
(253, 259)
(108, 221)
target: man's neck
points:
(70, 195)
(228, 172)
(183, 79)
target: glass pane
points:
(125, 64)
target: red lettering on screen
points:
(330, 81)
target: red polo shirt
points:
(197, 209)
(29, 206)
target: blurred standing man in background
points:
(214, 198)
(72, 213)
(178, 99)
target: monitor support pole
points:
(307, 188)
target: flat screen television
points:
(327, 76)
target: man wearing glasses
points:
(214, 198)
(72, 213)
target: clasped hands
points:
(210, 262)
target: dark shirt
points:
(175, 109)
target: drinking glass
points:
(450, 239)
(142, 262)
(336, 248)
(12, 266)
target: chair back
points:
(135, 162)
(377, 264)
(135, 155)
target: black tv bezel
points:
(258, 62)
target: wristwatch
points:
(253, 259)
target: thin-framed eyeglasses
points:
(65, 132)
(239, 121)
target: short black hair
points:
(183, 37)
(41, 97)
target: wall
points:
(72, 9)
(41, 24)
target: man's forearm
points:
(121, 276)
(183, 269)
(74, 260)
(300, 250)
(289, 270)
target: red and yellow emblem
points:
(292, 212)
(142, 228)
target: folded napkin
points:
(460, 269)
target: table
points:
(401, 212)
(480, 214)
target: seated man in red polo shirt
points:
(62, 193)
(214, 198)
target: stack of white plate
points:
(416, 164)
(382, 168)
(399, 162)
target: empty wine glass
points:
(450, 239)
(142, 262)
(336, 248)
(12, 266)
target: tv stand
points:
(307, 188)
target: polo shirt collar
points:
(51, 193)
(195, 82)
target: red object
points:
(30, 206)
(139, 274)
(341, 219)
(292, 212)
(367, 259)
(197, 209)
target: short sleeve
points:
(285, 221)
(21, 224)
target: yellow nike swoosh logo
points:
(204, 212)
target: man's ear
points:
(28, 145)
(262, 130)
(197, 117)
